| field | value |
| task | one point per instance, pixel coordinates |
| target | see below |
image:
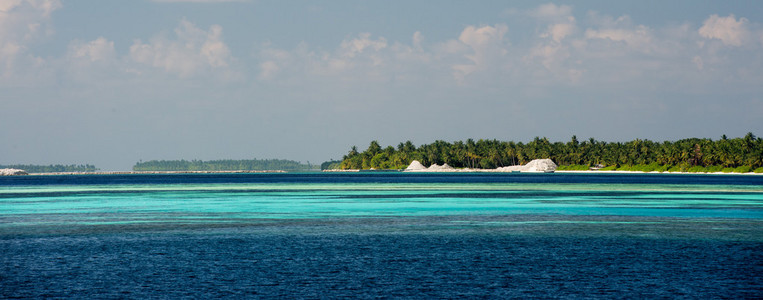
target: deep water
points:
(381, 236)
(369, 266)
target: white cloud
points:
(551, 50)
(193, 51)
(268, 69)
(554, 57)
(486, 45)
(621, 36)
(639, 37)
(98, 50)
(598, 49)
(89, 62)
(557, 32)
(8, 5)
(727, 29)
(21, 23)
(274, 60)
(352, 53)
(214, 50)
(598, 52)
(361, 57)
(418, 38)
(355, 46)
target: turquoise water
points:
(475, 201)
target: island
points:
(694, 155)
(223, 165)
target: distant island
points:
(51, 168)
(737, 155)
(222, 165)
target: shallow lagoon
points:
(325, 235)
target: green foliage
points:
(714, 169)
(221, 165)
(743, 169)
(662, 168)
(331, 165)
(644, 168)
(652, 167)
(52, 168)
(758, 170)
(636, 155)
(573, 168)
(697, 169)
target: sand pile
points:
(439, 168)
(11, 172)
(510, 169)
(540, 165)
(416, 166)
(537, 165)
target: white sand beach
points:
(541, 166)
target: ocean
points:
(382, 235)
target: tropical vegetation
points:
(743, 154)
(331, 165)
(222, 165)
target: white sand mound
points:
(540, 165)
(537, 165)
(11, 172)
(439, 168)
(510, 169)
(415, 166)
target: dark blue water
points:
(592, 246)
(371, 266)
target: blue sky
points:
(110, 83)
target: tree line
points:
(221, 165)
(52, 168)
(743, 154)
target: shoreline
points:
(557, 171)
(654, 172)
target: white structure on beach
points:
(12, 172)
(416, 166)
(537, 165)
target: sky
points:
(111, 83)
